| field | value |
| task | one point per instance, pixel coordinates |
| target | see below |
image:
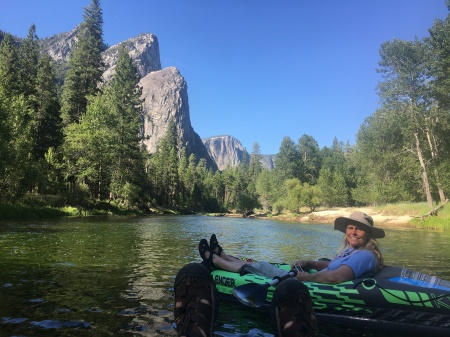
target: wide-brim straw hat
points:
(361, 220)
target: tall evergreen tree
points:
(310, 156)
(125, 97)
(334, 177)
(29, 58)
(15, 159)
(85, 65)
(15, 147)
(164, 168)
(10, 74)
(288, 161)
(46, 120)
(255, 161)
(287, 165)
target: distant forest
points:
(76, 141)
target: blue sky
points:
(258, 70)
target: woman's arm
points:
(342, 274)
(313, 264)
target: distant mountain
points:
(267, 160)
(224, 150)
(227, 150)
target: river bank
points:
(328, 216)
(381, 218)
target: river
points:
(113, 276)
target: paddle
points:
(254, 294)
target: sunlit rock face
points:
(166, 98)
(224, 150)
(227, 150)
(59, 46)
(143, 49)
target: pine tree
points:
(85, 65)
(310, 156)
(10, 67)
(255, 161)
(15, 111)
(29, 58)
(125, 95)
(46, 121)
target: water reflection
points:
(113, 276)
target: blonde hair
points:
(371, 244)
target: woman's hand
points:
(303, 276)
(302, 263)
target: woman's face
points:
(356, 236)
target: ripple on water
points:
(54, 324)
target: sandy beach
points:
(328, 216)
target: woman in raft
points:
(358, 256)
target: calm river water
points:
(114, 276)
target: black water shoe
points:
(196, 305)
(292, 311)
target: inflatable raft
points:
(396, 300)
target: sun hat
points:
(360, 219)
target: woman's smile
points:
(355, 236)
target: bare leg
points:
(230, 264)
(228, 257)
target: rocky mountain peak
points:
(59, 46)
(143, 49)
(227, 150)
(224, 150)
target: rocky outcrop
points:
(224, 150)
(227, 150)
(267, 161)
(59, 46)
(143, 49)
(166, 98)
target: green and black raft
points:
(396, 299)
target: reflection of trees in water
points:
(117, 273)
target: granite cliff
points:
(166, 98)
(224, 150)
(164, 91)
(227, 150)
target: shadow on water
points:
(114, 276)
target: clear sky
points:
(258, 70)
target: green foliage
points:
(333, 187)
(288, 161)
(293, 200)
(9, 212)
(406, 91)
(46, 130)
(266, 189)
(388, 172)
(85, 65)
(310, 158)
(312, 196)
(10, 74)
(15, 146)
